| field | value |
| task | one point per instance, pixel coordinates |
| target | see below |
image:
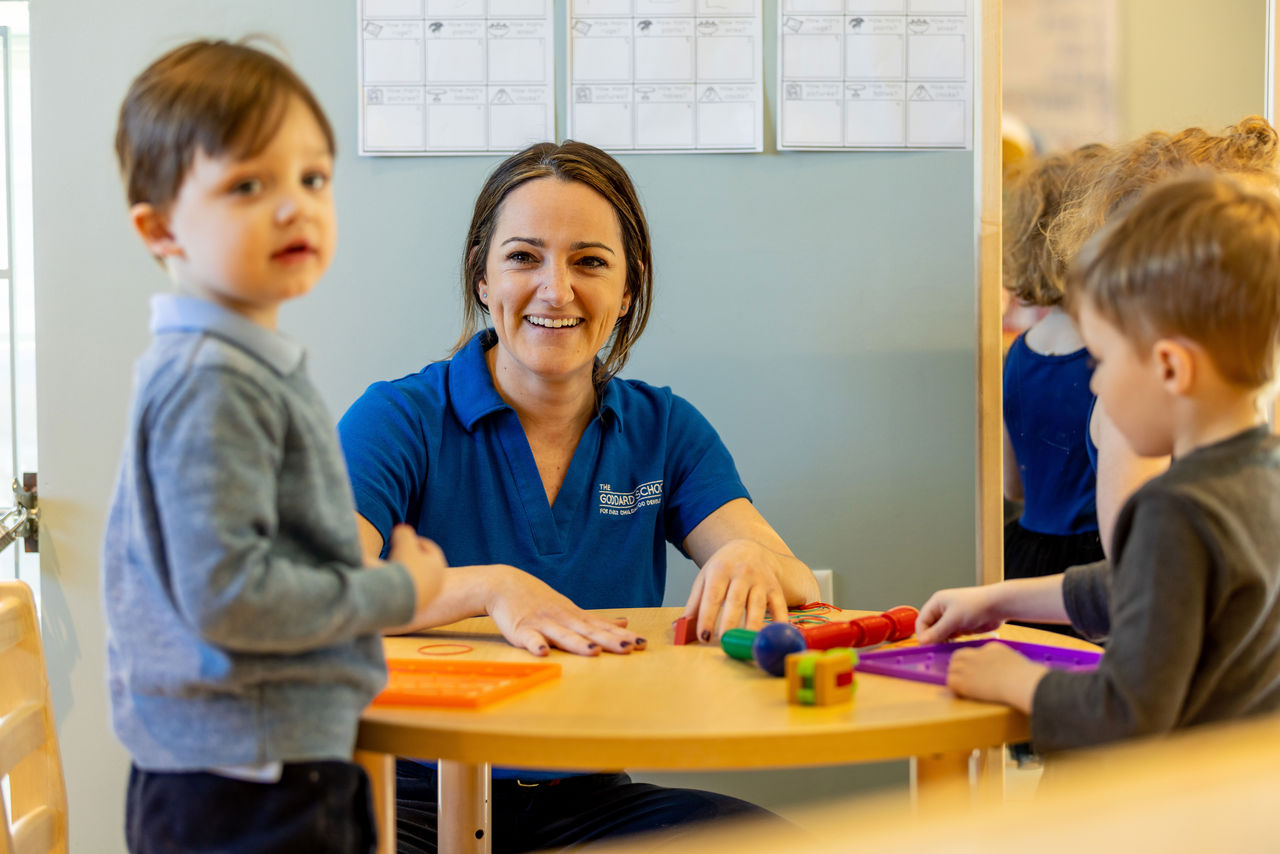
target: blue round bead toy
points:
(773, 644)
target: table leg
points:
(991, 781)
(940, 778)
(462, 808)
(381, 768)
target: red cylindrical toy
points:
(893, 625)
(875, 629)
(832, 635)
(904, 622)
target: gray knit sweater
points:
(241, 627)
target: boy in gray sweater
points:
(243, 629)
(1179, 303)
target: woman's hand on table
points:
(745, 570)
(996, 673)
(531, 615)
(735, 587)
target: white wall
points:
(818, 308)
(1190, 62)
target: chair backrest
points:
(28, 736)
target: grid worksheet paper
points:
(875, 74)
(666, 75)
(455, 76)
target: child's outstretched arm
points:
(968, 610)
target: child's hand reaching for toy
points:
(958, 611)
(995, 672)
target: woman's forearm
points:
(465, 593)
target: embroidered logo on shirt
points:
(614, 502)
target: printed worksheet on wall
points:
(666, 76)
(858, 74)
(455, 76)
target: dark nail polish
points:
(706, 636)
(625, 644)
(641, 641)
(593, 646)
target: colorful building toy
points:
(821, 678)
(771, 645)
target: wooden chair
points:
(28, 738)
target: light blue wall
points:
(819, 308)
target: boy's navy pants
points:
(316, 807)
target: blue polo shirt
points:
(440, 450)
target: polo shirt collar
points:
(611, 403)
(474, 396)
(174, 313)
(471, 388)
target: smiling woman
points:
(552, 485)
(555, 290)
(612, 212)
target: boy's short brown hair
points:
(216, 96)
(1036, 193)
(1198, 256)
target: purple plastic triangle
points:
(929, 663)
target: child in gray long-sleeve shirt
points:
(243, 629)
(1179, 303)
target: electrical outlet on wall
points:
(825, 580)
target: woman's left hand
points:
(746, 570)
(737, 585)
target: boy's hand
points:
(958, 611)
(425, 562)
(997, 673)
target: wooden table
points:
(668, 708)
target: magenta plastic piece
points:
(929, 663)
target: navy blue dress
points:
(1046, 411)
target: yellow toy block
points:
(821, 678)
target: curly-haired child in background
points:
(1046, 381)
(1250, 149)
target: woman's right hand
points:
(532, 615)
